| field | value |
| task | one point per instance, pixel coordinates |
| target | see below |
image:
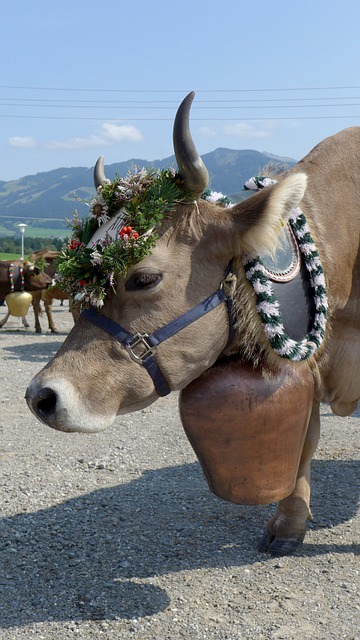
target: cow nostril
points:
(45, 403)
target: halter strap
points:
(141, 346)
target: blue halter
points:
(141, 346)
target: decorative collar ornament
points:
(267, 305)
(284, 264)
(120, 231)
(258, 182)
(20, 275)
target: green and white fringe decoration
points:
(268, 307)
(258, 182)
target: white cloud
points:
(119, 133)
(75, 143)
(248, 131)
(110, 134)
(22, 142)
(206, 132)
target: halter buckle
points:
(145, 349)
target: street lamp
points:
(22, 227)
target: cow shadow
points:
(40, 352)
(94, 557)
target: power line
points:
(208, 105)
(60, 101)
(143, 119)
(97, 90)
(194, 108)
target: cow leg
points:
(48, 309)
(4, 320)
(286, 530)
(37, 311)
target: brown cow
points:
(34, 281)
(48, 295)
(52, 293)
(93, 377)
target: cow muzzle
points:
(58, 405)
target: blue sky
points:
(79, 79)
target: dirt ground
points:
(116, 535)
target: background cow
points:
(51, 293)
(34, 280)
(47, 295)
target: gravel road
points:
(116, 535)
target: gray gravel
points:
(116, 535)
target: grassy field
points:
(9, 256)
(49, 235)
(41, 232)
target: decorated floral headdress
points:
(120, 231)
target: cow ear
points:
(263, 215)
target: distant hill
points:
(51, 194)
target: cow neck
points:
(141, 346)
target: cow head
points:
(93, 378)
(34, 278)
(25, 275)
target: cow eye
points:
(141, 281)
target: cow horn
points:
(99, 172)
(190, 164)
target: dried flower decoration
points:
(120, 231)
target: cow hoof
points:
(279, 546)
(38, 331)
(54, 331)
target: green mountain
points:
(39, 199)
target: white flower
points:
(96, 301)
(106, 181)
(99, 210)
(96, 258)
(214, 196)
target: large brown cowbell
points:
(247, 428)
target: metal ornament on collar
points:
(141, 346)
